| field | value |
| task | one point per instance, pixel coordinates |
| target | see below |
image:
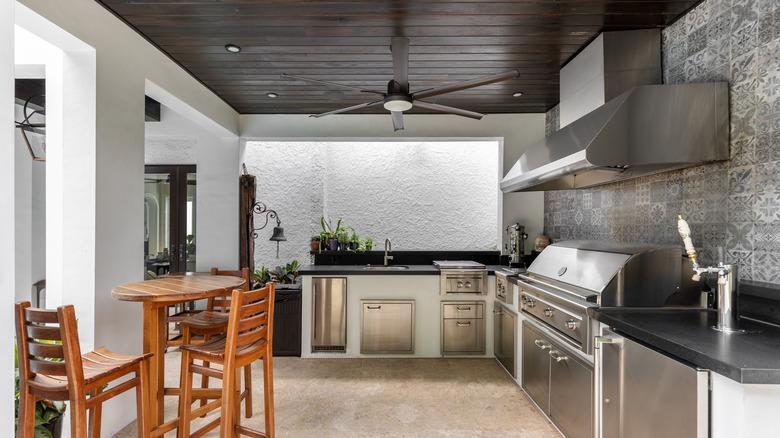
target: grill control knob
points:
(572, 324)
(468, 284)
(531, 302)
(460, 284)
(548, 312)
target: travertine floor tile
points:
(386, 397)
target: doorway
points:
(169, 219)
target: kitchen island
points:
(374, 284)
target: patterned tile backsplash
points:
(733, 205)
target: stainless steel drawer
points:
(464, 336)
(462, 327)
(463, 310)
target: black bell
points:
(278, 235)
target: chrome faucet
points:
(388, 248)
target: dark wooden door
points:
(169, 208)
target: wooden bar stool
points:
(57, 371)
(248, 338)
(214, 321)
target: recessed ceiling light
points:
(232, 48)
(517, 94)
(272, 95)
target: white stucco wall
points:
(7, 216)
(515, 132)
(422, 195)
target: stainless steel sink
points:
(386, 268)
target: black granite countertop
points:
(752, 357)
(377, 270)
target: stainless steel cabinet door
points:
(647, 394)
(387, 327)
(536, 367)
(571, 394)
(329, 325)
(504, 332)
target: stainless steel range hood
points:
(648, 129)
(619, 123)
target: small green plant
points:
(262, 276)
(368, 243)
(287, 274)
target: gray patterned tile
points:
(657, 213)
(744, 262)
(743, 12)
(741, 208)
(740, 180)
(767, 207)
(766, 266)
(720, 27)
(740, 236)
(767, 177)
(744, 40)
(767, 236)
(743, 152)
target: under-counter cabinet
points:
(559, 382)
(387, 327)
(504, 337)
(463, 327)
(645, 393)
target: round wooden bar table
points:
(156, 295)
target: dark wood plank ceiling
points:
(348, 42)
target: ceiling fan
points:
(398, 99)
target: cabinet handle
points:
(556, 355)
(373, 307)
(463, 324)
(539, 343)
(462, 309)
(498, 312)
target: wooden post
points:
(246, 245)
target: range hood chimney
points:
(619, 123)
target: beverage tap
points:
(727, 294)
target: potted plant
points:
(329, 234)
(354, 240)
(368, 243)
(285, 275)
(48, 414)
(315, 242)
(343, 238)
(262, 276)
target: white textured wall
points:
(516, 132)
(421, 195)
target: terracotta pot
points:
(315, 245)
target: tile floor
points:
(388, 397)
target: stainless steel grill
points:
(569, 277)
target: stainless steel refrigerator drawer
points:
(463, 310)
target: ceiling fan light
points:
(398, 102)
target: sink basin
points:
(385, 268)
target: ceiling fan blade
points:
(349, 108)
(317, 81)
(448, 109)
(400, 48)
(398, 120)
(485, 80)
